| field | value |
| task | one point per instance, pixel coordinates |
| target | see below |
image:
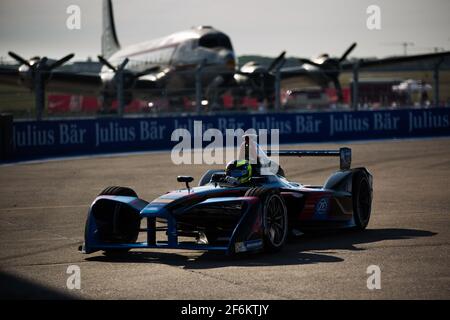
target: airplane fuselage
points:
(172, 60)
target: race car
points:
(250, 206)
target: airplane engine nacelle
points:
(26, 76)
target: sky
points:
(263, 27)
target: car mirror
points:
(185, 179)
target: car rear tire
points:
(275, 218)
(362, 199)
(131, 232)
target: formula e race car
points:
(250, 206)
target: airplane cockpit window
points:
(215, 41)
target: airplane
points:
(170, 66)
(325, 69)
(145, 69)
(165, 66)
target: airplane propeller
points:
(18, 58)
(347, 52)
(106, 63)
(261, 79)
(276, 62)
(37, 72)
(42, 62)
(312, 63)
(331, 68)
(124, 78)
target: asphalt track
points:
(43, 208)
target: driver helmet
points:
(239, 171)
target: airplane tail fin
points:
(110, 43)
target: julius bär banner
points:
(49, 138)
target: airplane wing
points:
(91, 84)
(151, 82)
(59, 81)
(299, 71)
(88, 84)
(303, 76)
(422, 62)
(76, 83)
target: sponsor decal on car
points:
(322, 206)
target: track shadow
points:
(296, 252)
(13, 287)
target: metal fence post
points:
(355, 95)
(278, 85)
(39, 94)
(198, 85)
(6, 136)
(120, 94)
(120, 87)
(437, 66)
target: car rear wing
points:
(344, 154)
